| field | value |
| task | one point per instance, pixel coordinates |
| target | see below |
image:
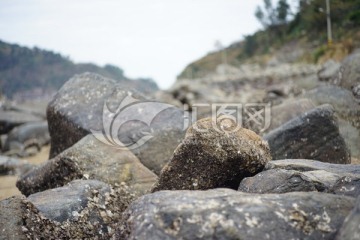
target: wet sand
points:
(7, 183)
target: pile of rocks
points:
(123, 166)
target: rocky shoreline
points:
(125, 166)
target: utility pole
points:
(329, 32)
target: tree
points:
(270, 16)
(282, 11)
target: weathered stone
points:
(91, 103)
(227, 214)
(304, 165)
(212, 155)
(11, 218)
(283, 181)
(347, 111)
(81, 210)
(313, 135)
(288, 110)
(60, 204)
(348, 75)
(27, 135)
(89, 158)
(278, 180)
(11, 119)
(350, 229)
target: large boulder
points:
(313, 135)
(89, 158)
(291, 178)
(89, 103)
(347, 110)
(228, 214)
(214, 154)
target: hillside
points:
(27, 73)
(303, 39)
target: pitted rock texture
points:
(313, 135)
(90, 159)
(91, 104)
(212, 155)
(227, 214)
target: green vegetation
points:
(306, 29)
(23, 69)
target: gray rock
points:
(80, 210)
(328, 70)
(11, 218)
(25, 136)
(304, 165)
(227, 214)
(348, 75)
(13, 166)
(313, 135)
(350, 229)
(214, 154)
(347, 109)
(89, 158)
(90, 103)
(283, 181)
(11, 119)
(64, 203)
(278, 180)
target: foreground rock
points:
(11, 119)
(214, 154)
(89, 103)
(92, 159)
(350, 229)
(313, 135)
(80, 210)
(12, 211)
(227, 214)
(22, 139)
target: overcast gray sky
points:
(156, 38)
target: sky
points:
(152, 39)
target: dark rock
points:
(347, 110)
(25, 136)
(283, 181)
(313, 135)
(350, 229)
(212, 155)
(12, 166)
(11, 218)
(279, 180)
(288, 110)
(11, 119)
(64, 203)
(227, 214)
(89, 158)
(89, 103)
(81, 210)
